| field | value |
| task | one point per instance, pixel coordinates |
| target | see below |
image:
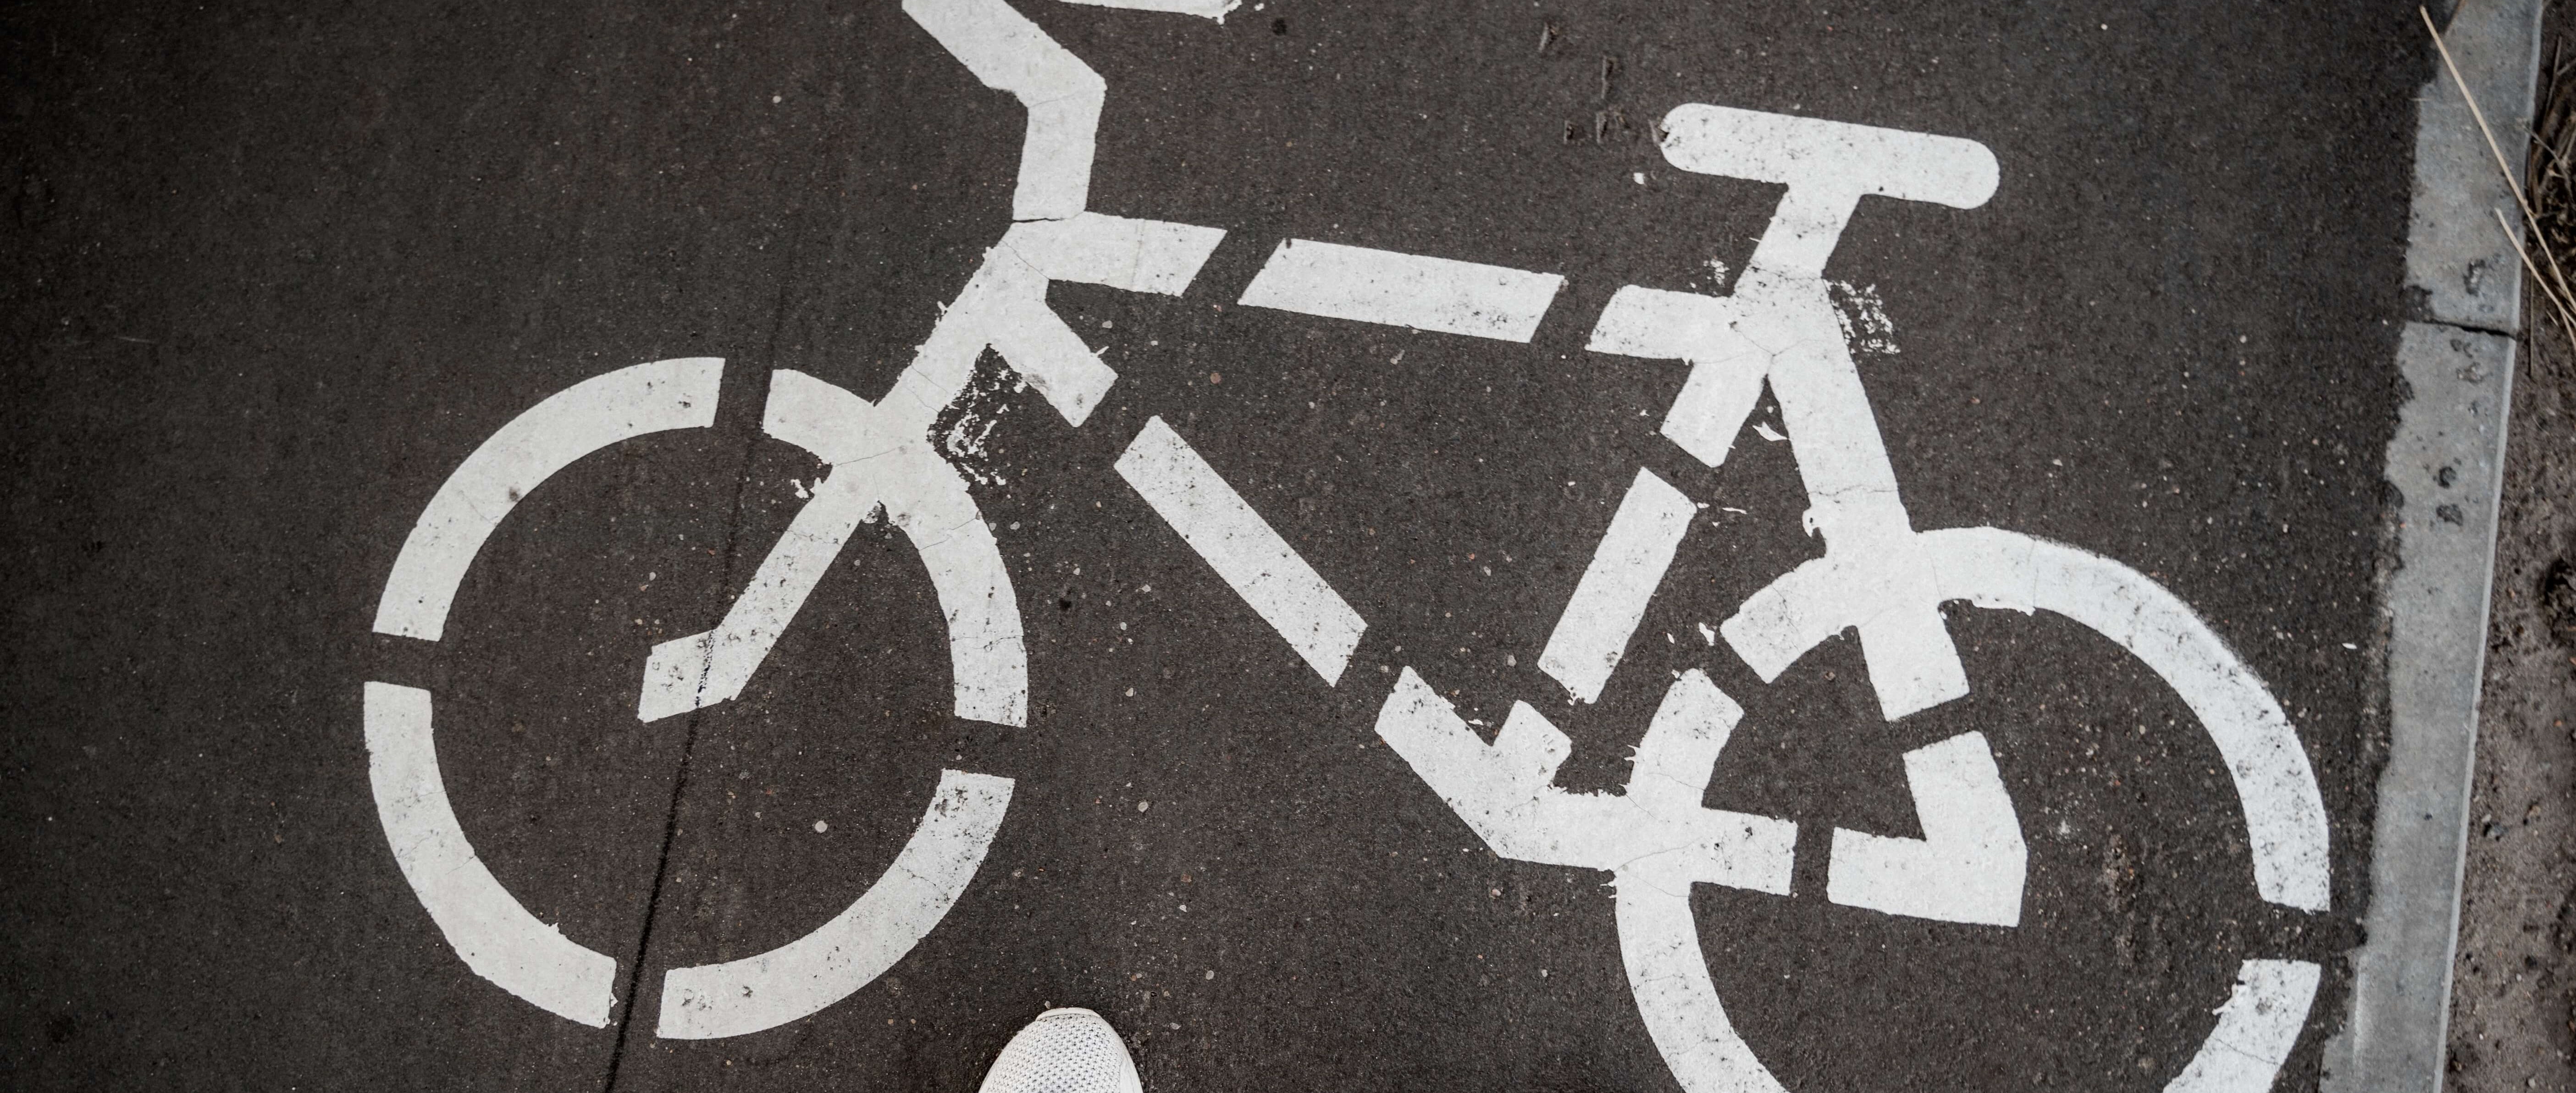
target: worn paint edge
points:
(2459, 372)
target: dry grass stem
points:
(2565, 320)
(2562, 298)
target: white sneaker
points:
(1064, 1051)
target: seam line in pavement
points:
(628, 1019)
(2471, 328)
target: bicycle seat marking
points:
(1878, 576)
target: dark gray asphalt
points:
(271, 273)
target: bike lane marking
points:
(1397, 289)
(885, 447)
(581, 419)
(1243, 549)
(1063, 96)
(1727, 369)
(1609, 601)
(1003, 306)
(1971, 862)
(1883, 578)
(490, 930)
(883, 461)
(1506, 791)
(2285, 814)
(2257, 1027)
(860, 943)
(1205, 9)
(875, 468)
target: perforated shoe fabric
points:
(1064, 1051)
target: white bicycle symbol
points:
(1878, 575)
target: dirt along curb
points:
(2513, 1004)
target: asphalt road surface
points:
(277, 274)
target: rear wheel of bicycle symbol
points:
(882, 460)
(490, 929)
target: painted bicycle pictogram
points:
(1778, 329)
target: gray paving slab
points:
(2446, 466)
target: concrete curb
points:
(2446, 464)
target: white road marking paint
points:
(1827, 166)
(1251, 558)
(858, 945)
(1780, 326)
(1656, 839)
(1727, 369)
(1383, 286)
(1063, 96)
(1608, 602)
(882, 453)
(1002, 306)
(1659, 947)
(2285, 816)
(2256, 1029)
(687, 673)
(581, 419)
(873, 465)
(2284, 812)
(1205, 9)
(490, 930)
(1889, 595)
(1655, 833)
(1971, 862)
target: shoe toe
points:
(1064, 1051)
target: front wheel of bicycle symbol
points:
(496, 935)
(1658, 840)
(2257, 1027)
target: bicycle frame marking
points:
(1392, 288)
(885, 446)
(1611, 599)
(1246, 553)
